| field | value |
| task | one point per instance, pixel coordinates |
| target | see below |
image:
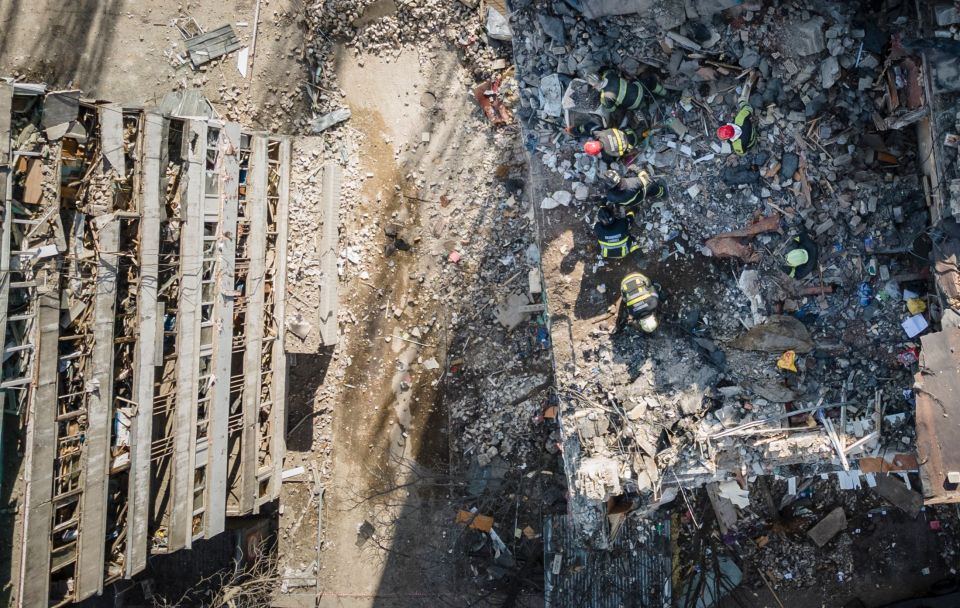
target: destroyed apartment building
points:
(850, 372)
(144, 374)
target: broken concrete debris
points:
(828, 527)
(756, 373)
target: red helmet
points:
(726, 132)
(593, 147)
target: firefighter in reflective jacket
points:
(741, 133)
(628, 192)
(638, 302)
(613, 234)
(612, 143)
(616, 92)
(801, 256)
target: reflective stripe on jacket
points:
(748, 137)
(619, 92)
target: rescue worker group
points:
(612, 135)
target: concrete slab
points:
(828, 527)
(144, 371)
(892, 489)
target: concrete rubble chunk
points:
(553, 27)
(510, 313)
(780, 333)
(946, 14)
(828, 527)
(498, 27)
(829, 72)
(893, 489)
(598, 478)
(551, 95)
(592, 9)
(806, 38)
(330, 119)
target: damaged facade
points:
(144, 374)
(753, 373)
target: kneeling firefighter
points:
(613, 234)
(628, 192)
(638, 303)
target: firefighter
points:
(613, 234)
(639, 300)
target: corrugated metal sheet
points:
(633, 573)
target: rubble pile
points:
(754, 368)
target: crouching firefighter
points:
(628, 192)
(613, 234)
(638, 303)
(612, 143)
(616, 92)
(801, 256)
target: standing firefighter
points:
(628, 192)
(616, 92)
(639, 301)
(613, 235)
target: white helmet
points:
(649, 324)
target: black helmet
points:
(605, 216)
(610, 178)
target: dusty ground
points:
(394, 486)
(115, 50)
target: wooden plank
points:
(212, 45)
(40, 439)
(203, 39)
(253, 328)
(188, 341)
(111, 137)
(6, 107)
(223, 340)
(6, 193)
(329, 289)
(141, 430)
(93, 501)
(33, 186)
(279, 388)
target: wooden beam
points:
(188, 340)
(279, 387)
(223, 340)
(144, 374)
(253, 329)
(111, 138)
(40, 454)
(97, 457)
(327, 248)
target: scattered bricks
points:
(824, 227)
(831, 525)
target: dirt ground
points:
(115, 50)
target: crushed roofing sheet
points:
(635, 571)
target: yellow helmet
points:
(649, 324)
(797, 257)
